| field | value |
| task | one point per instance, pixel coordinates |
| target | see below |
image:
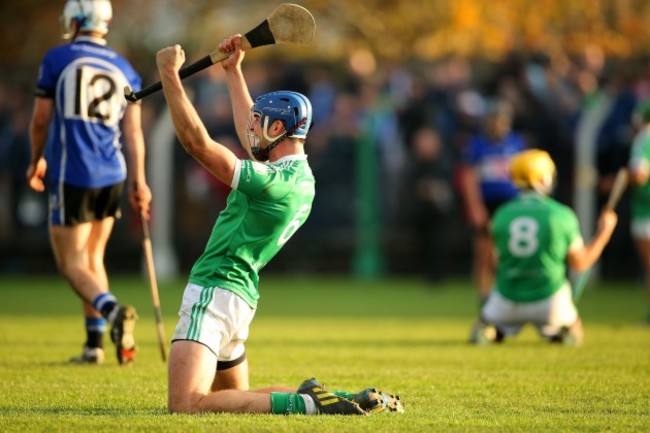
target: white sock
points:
(310, 406)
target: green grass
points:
(400, 335)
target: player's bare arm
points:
(38, 130)
(237, 87)
(139, 192)
(190, 129)
(582, 258)
(476, 211)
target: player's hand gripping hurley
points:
(153, 285)
(288, 24)
(618, 188)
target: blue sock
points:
(105, 303)
(95, 328)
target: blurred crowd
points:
(385, 148)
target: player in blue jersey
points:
(486, 184)
(271, 198)
(79, 122)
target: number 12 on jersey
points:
(91, 95)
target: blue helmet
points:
(292, 108)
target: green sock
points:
(287, 403)
(344, 394)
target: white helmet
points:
(89, 15)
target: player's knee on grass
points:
(184, 402)
(485, 333)
(191, 370)
(175, 406)
(569, 335)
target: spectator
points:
(485, 184)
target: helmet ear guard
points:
(533, 169)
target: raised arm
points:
(190, 130)
(239, 94)
(582, 257)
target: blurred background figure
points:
(430, 201)
(639, 167)
(485, 184)
(572, 89)
(535, 238)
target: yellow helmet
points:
(533, 169)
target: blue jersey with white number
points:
(86, 79)
(492, 162)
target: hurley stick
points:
(618, 188)
(153, 285)
(287, 24)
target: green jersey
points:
(268, 203)
(532, 235)
(640, 160)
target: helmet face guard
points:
(291, 108)
(88, 15)
(255, 141)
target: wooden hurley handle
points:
(287, 24)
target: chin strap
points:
(263, 154)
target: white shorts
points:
(640, 228)
(216, 318)
(548, 315)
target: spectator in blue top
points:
(485, 184)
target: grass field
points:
(400, 335)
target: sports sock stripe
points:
(102, 299)
(95, 324)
